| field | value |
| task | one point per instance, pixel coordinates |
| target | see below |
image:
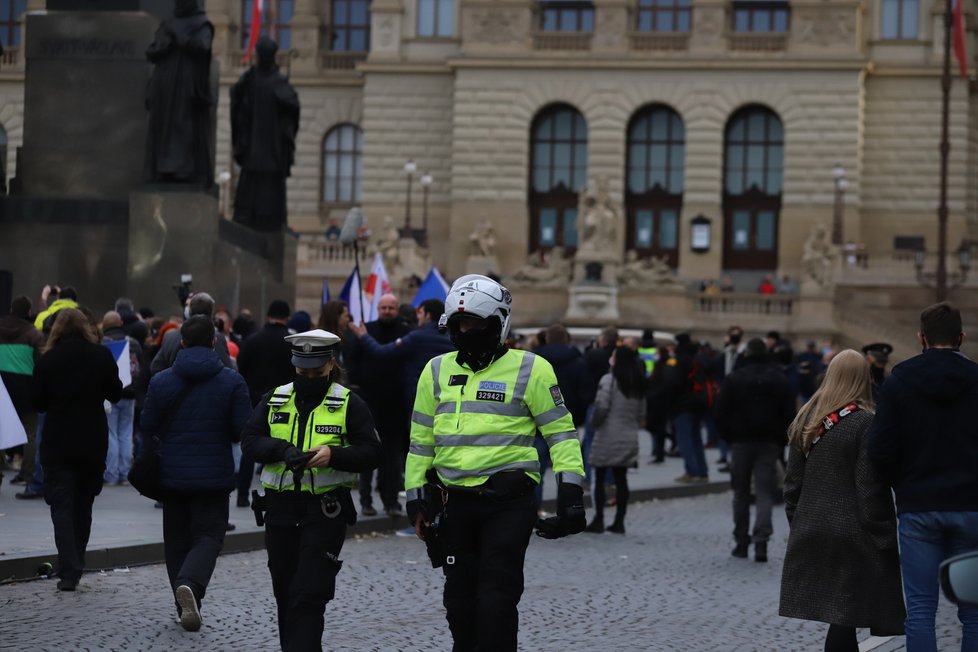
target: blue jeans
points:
(687, 427)
(713, 437)
(118, 459)
(927, 539)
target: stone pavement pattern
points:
(669, 584)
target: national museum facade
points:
(756, 119)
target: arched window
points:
(558, 172)
(753, 172)
(342, 164)
(655, 173)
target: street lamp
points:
(224, 186)
(409, 169)
(426, 180)
(950, 279)
(841, 183)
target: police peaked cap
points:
(312, 349)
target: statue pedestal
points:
(595, 304)
(482, 265)
(607, 265)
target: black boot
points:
(760, 551)
(596, 525)
(618, 527)
(740, 550)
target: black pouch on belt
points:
(347, 509)
(509, 484)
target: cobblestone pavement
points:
(669, 584)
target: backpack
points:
(702, 386)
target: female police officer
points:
(314, 437)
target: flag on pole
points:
(352, 295)
(254, 30)
(960, 51)
(12, 431)
(432, 287)
(120, 351)
(325, 298)
(377, 286)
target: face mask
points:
(735, 339)
(876, 373)
(476, 346)
(307, 387)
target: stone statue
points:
(264, 123)
(483, 240)
(646, 271)
(598, 218)
(388, 244)
(179, 99)
(551, 269)
(818, 256)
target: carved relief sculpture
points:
(653, 271)
(598, 218)
(818, 256)
(551, 269)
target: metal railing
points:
(10, 58)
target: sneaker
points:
(368, 510)
(406, 532)
(685, 477)
(28, 495)
(700, 478)
(189, 611)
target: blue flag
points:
(432, 287)
(120, 351)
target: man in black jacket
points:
(264, 362)
(754, 408)
(924, 441)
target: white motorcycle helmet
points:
(479, 296)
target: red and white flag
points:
(254, 30)
(377, 286)
(960, 51)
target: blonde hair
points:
(70, 322)
(847, 380)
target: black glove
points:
(570, 518)
(417, 507)
(296, 460)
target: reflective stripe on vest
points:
(325, 426)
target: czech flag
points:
(11, 429)
(120, 351)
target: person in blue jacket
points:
(197, 408)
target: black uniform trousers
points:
(390, 422)
(70, 492)
(487, 537)
(193, 535)
(303, 558)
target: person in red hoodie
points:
(767, 285)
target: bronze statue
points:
(264, 123)
(179, 99)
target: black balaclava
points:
(478, 346)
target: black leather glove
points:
(296, 460)
(417, 507)
(570, 518)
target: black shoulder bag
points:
(144, 475)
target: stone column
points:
(219, 13)
(305, 38)
(386, 29)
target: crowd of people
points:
(326, 405)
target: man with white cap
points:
(314, 437)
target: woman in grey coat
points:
(618, 411)
(841, 566)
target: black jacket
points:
(71, 383)
(265, 360)
(572, 378)
(924, 439)
(755, 403)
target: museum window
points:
(655, 171)
(349, 28)
(663, 15)
(566, 16)
(558, 173)
(760, 16)
(342, 165)
(753, 175)
(275, 18)
(10, 13)
(899, 19)
(436, 18)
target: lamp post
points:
(409, 169)
(426, 180)
(940, 284)
(841, 183)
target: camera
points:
(184, 288)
